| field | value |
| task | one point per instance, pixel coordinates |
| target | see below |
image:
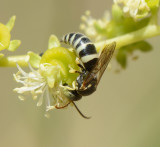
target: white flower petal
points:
(21, 70)
(40, 101)
(35, 84)
(22, 98)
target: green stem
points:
(139, 35)
(11, 61)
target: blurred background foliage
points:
(125, 109)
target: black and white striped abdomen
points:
(84, 49)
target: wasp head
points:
(86, 83)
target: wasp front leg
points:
(74, 85)
(67, 87)
(71, 92)
(71, 70)
(79, 63)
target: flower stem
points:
(129, 38)
(11, 61)
(139, 35)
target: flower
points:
(5, 36)
(134, 8)
(39, 87)
(92, 26)
(47, 76)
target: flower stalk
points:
(133, 37)
(121, 41)
(11, 61)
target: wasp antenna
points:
(80, 111)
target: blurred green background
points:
(125, 109)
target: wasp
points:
(92, 66)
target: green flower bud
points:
(4, 37)
(64, 59)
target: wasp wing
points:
(104, 59)
(102, 63)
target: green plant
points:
(130, 23)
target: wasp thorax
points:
(86, 87)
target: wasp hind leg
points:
(61, 107)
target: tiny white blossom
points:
(39, 87)
(88, 25)
(134, 8)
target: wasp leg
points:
(57, 107)
(71, 49)
(71, 70)
(78, 62)
(74, 85)
(67, 87)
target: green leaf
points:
(121, 57)
(4, 37)
(143, 46)
(34, 59)
(14, 44)
(122, 53)
(53, 42)
(11, 22)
